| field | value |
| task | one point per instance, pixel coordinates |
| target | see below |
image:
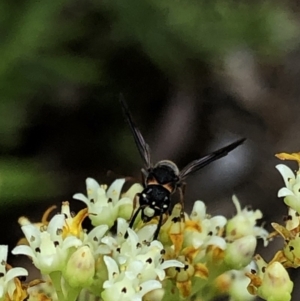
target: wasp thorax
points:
(169, 164)
(164, 173)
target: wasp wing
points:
(200, 163)
(142, 146)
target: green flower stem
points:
(205, 288)
(198, 286)
(84, 295)
(56, 280)
(72, 293)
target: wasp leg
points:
(135, 203)
(159, 224)
(183, 186)
(181, 190)
(133, 220)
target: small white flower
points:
(202, 230)
(47, 247)
(93, 238)
(114, 244)
(244, 223)
(7, 279)
(291, 192)
(105, 207)
(199, 212)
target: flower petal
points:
(15, 272)
(114, 190)
(149, 286)
(284, 192)
(23, 250)
(286, 173)
(81, 197)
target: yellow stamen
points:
(75, 227)
(46, 214)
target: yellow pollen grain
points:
(192, 225)
(123, 268)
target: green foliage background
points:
(64, 63)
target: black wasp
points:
(164, 178)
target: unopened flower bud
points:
(80, 268)
(239, 253)
(276, 283)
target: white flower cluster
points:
(135, 264)
(129, 267)
(114, 262)
(210, 226)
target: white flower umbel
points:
(291, 192)
(7, 279)
(136, 266)
(105, 206)
(47, 247)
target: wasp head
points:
(155, 199)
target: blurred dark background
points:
(197, 75)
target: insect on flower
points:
(164, 178)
